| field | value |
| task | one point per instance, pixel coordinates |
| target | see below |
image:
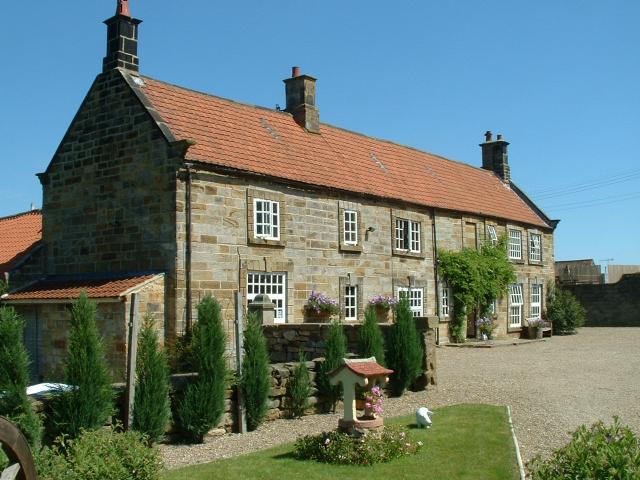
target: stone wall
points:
(310, 251)
(109, 191)
(611, 304)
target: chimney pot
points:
(488, 136)
(499, 137)
(123, 8)
(295, 72)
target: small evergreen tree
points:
(151, 407)
(202, 406)
(14, 378)
(299, 389)
(335, 351)
(4, 287)
(565, 312)
(256, 379)
(370, 339)
(89, 402)
(404, 350)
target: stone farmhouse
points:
(175, 194)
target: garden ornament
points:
(422, 417)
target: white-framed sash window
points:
(351, 302)
(272, 284)
(516, 301)
(445, 299)
(407, 235)
(515, 244)
(492, 234)
(536, 300)
(535, 247)
(266, 219)
(350, 227)
(415, 297)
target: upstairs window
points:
(414, 295)
(515, 244)
(350, 227)
(535, 247)
(536, 300)
(351, 302)
(407, 235)
(516, 301)
(492, 234)
(266, 219)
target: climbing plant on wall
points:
(476, 278)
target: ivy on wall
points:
(476, 278)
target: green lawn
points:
(466, 442)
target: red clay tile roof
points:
(19, 234)
(363, 368)
(269, 142)
(68, 288)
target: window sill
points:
(536, 262)
(267, 242)
(350, 248)
(514, 329)
(517, 261)
(402, 253)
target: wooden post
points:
(132, 354)
(239, 327)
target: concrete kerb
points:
(517, 447)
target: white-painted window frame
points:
(273, 284)
(492, 234)
(515, 244)
(351, 303)
(445, 299)
(266, 219)
(350, 227)
(407, 235)
(516, 302)
(535, 247)
(535, 301)
(416, 299)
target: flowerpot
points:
(383, 314)
(359, 404)
(538, 333)
(313, 317)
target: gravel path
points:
(552, 386)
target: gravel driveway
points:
(552, 386)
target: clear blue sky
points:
(560, 80)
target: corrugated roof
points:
(19, 234)
(65, 288)
(268, 142)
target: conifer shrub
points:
(299, 389)
(14, 378)
(335, 351)
(256, 372)
(4, 287)
(202, 406)
(370, 338)
(151, 407)
(565, 312)
(88, 403)
(404, 350)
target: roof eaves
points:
(551, 223)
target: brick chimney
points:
(122, 40)
(301, 100)
(495, 156)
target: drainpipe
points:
(187, 254)
(435, 270)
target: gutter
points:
(187, 252)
